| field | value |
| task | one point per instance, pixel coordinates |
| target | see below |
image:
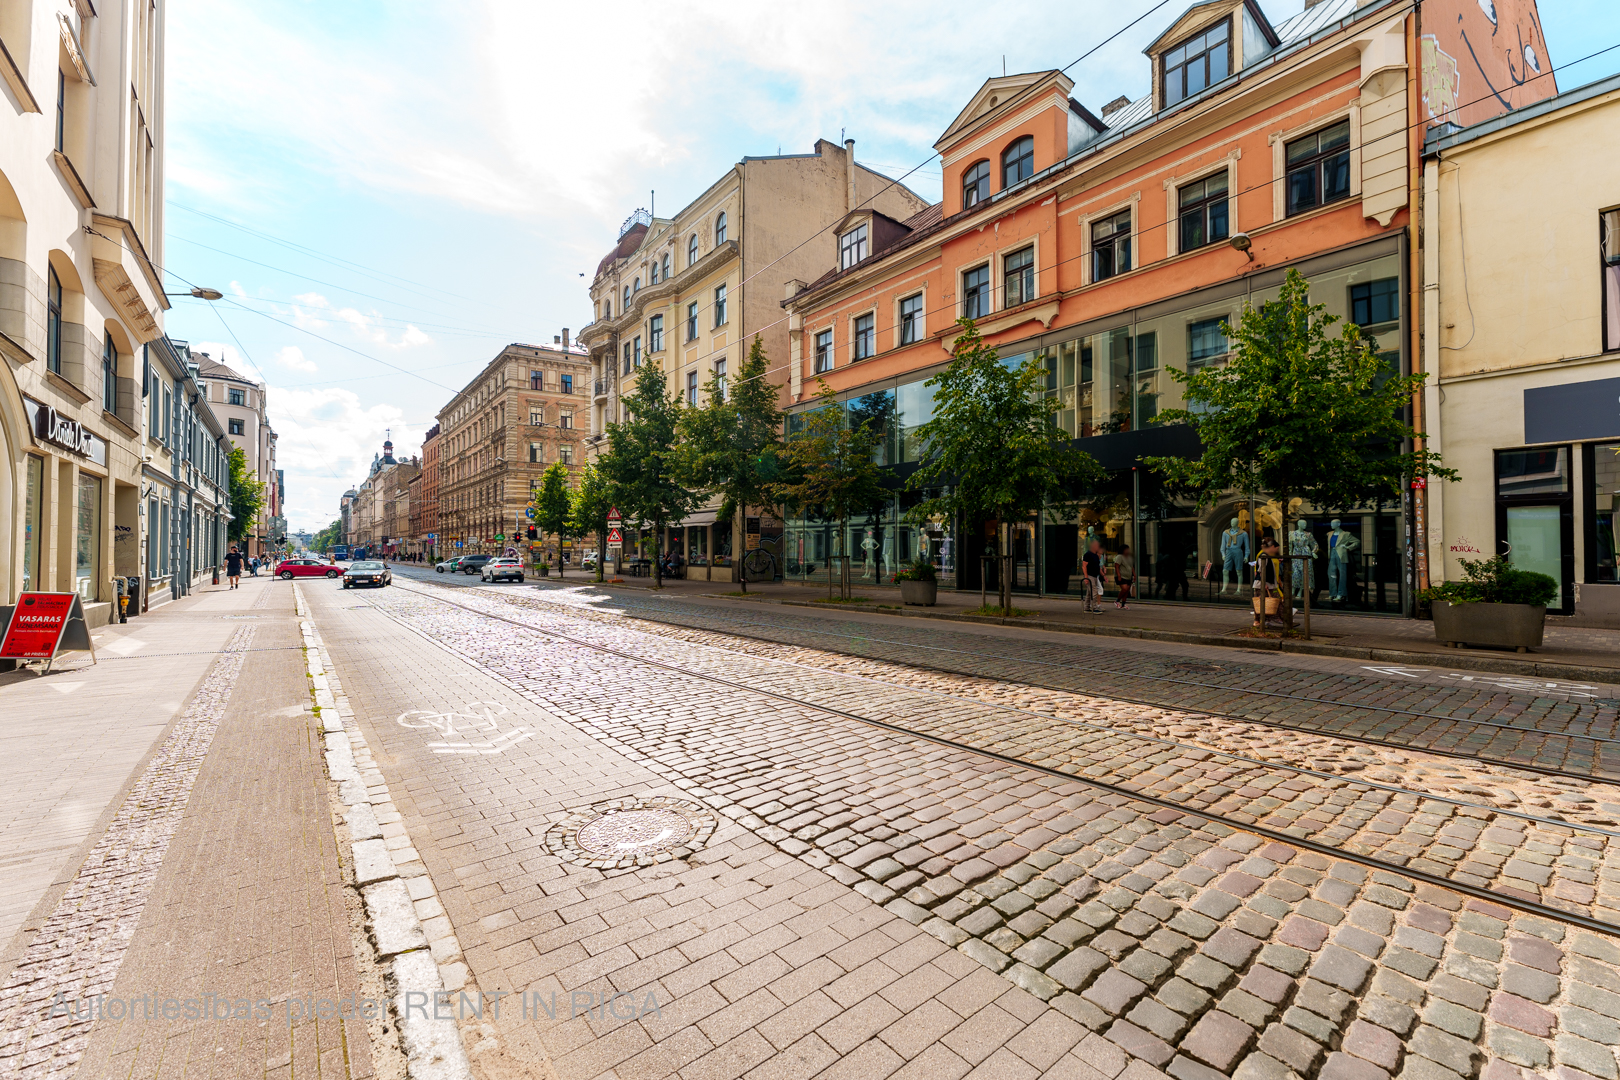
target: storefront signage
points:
(36, 628)
(1573, 411)
(52, 427)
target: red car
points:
(288, 569)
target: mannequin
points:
(1341, 561)
(1234, 553)
(1301, 542)
(868, 545)
(888, 566)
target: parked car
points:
(472, 564)
(504, 569)
(287, 569)
(450, 564)
(588, 561)
(368, 572)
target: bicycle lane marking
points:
(476, 717)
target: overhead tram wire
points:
(331, 315)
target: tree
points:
(642, 464)
(327, 538)
(589, 504)
(551, 507)
(247, 496)
(1296, 412)
(830, 467)
(732, 445)
(980, 403)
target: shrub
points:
(1494, 581)
(917, 570)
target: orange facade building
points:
(1112, 245)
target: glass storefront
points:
(33, 523)
(1111, 380)
(87, 545)
(1605, 511)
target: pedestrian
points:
(233, 567)
(1267, 597)
(1092, 567)
(1124, 575)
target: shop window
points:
(87, 546)
(1018, 163)
(1319, 168)
(1018, 271)
(1202, 210)
(1199, 62)
(1206, 341)
(864, 331)
(33, 524)
(1375, 302)
(976, 184)
(1603, 510)
(824, 352)
(1111, 246)
(1610, 222)
(976, 293)
(852, 247)
(697, 545)
(911, 319)
(1532, 472)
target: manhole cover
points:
(623, 833)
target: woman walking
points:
(1124, 575)
(1092, 567)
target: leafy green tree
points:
(831, 467)
(327, 538)
(589, 504)
(247, 496)
(733, 444)
(1298, 412)
(991, 449)
(552, 512)
(642, 464)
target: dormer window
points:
(1198, 62)
(976, 185)
(1018, 163)
(852, 247)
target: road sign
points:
(615, 536)
(613, 515)
(528, 512)
(500, 536)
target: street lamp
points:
(201, 292)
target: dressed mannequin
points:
(868, 546)
(1341, 561)
(1234, 553)
(1301, 542)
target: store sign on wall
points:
(50, 426)
(1582, 410)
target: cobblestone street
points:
(840, 860)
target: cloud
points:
(314, 311)
(326, 440)
(230, 356)
(292, 356)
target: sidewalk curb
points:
(391, 879)
(1465, 661)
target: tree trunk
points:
(743, 576)
(601, 551)
(658, 563)
(1006, 567)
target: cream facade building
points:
(185, 477)
(81, 219)
(689, 292)
(242, 406)
(1522, 344)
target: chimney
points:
(556, 339)
(565, 339)
(849, 175)
(1120, 102)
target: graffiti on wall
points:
(1482, 58)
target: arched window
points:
(666, 266)
(607, 309)
(1018, 163)
(637, 287)
(691, 251)
(626, 305)
(976, 184)
(652, 275)
(720, 229)
(53, 321)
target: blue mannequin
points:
(1341, 551)
(1234, 553)
(1301, 542)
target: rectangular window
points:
(87, 562)
(162, 540)
(1610, 222)
(861, 345)
(1111, 246)
(691, 388)
(565, 420)
(976, 293)
(1603, 510)
(627, 358)
(537, 415)
(537, 380)
(655, 334)
(567, 384)
(33, 524)
(153, 538)
(1202, 209)
(720, 306)
(1532, 472)
(565, 453)
(824, 352)
(852, 247)
(635, 350)
(1319, 168)
(1205, 341)
(236, 427)
(61, 110)
(53, 320)
(720, 377)
(535, 457)
(1018, 270)
(1375, 302)
(691, 321)
(1197, 63)
(911, 314)
(109, 375)
(238, 397)
(168, 416)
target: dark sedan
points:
(367, 573)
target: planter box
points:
(1493, 626)
(920, 593)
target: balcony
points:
(600, 389)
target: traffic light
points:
(533, 535)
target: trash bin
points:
(133, 588)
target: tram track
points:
(1509, 898)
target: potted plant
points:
(1495, 605)
(918, 585)
(544, 568)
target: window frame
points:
(720, 312)
(1028, 280)
(980, 293)
(978, 175)
(911, 323)
(853, 246)
(1609, 278)
(537, 379)
(236, 427)
(666, 267)
(109, 375)
(720, 228)
(1165, 68)
(822, 357)
(1026, 157)
(236, 397)
(692, 387)
(1315, 164)
(1204, 206)
(537, 415)
(655, 334)
(862, 339)
(53, 320)
(692, 251)
(1094, 262)
(692, 321)
(635, 343)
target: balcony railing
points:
(601, 387)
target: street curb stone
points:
(393, 918)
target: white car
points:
(502, 570)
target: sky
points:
(387, 194)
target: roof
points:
(1440, 140)
(209, 368)
(627, 245)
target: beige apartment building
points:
(81, 219)
(524, 411)
(240, 403)
(1522, 344)
(689, 292)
